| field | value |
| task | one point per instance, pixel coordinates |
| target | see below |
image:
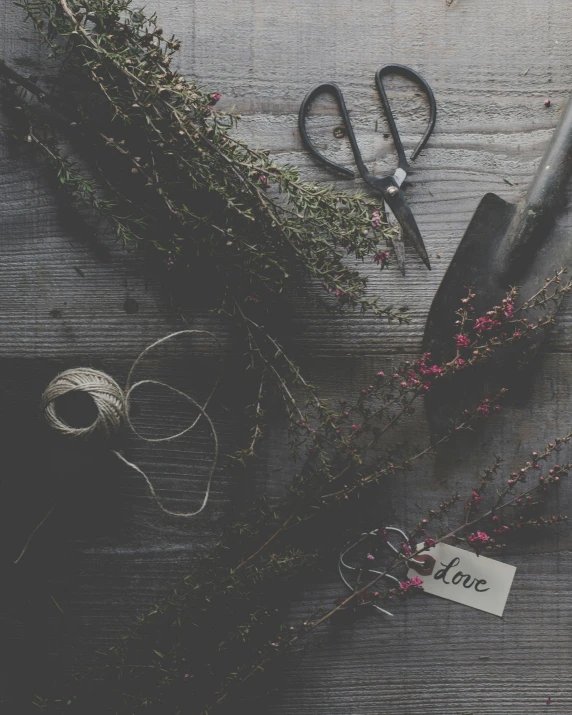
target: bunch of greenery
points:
(198, 650)
(157, 164)
(166, 173)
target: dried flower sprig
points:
(168, 173)
(511, 504)
(160, 168)
(345, 459)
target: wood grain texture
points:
(108, 554)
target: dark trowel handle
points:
(534, 215)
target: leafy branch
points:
(195, 193)
(237, 588)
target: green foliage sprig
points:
(172, 174)
(223, 626)
(168, 173)
(511, 512)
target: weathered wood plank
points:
(438, 657)
(108, 554)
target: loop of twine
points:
(113, 411)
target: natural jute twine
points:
(113, 412)
(106, 394)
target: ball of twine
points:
(112, 404)
(106, 394)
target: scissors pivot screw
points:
(392, 191)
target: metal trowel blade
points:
(476, 265)
(472, 267)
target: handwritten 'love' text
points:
(464, 579)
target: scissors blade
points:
(397, 203)
(396, 239)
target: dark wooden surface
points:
(107, 554)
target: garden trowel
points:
(505, 245)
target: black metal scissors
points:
(397, 208)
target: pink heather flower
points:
(215, 96)
(381, 257)
(371, 557)
(253, 298)
(381, 373)
(356, 427)
(383, 535)
(475, 500)
(501, 530)
(406, 548)
(187, 675)
(375, 219)
(411, 583)
(479, 540)
(484, 409)
(480, 537)
(462, 341)
(423, 367)
(429, 543)
(343, 295)
(508, 308)
(485, 324)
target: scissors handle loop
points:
(415, 77)
(333, 89)
(336, 92)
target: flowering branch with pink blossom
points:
(168, 173)
(512, 512)
(272, 542)
(169, 176)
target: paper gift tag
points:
(464, 577)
